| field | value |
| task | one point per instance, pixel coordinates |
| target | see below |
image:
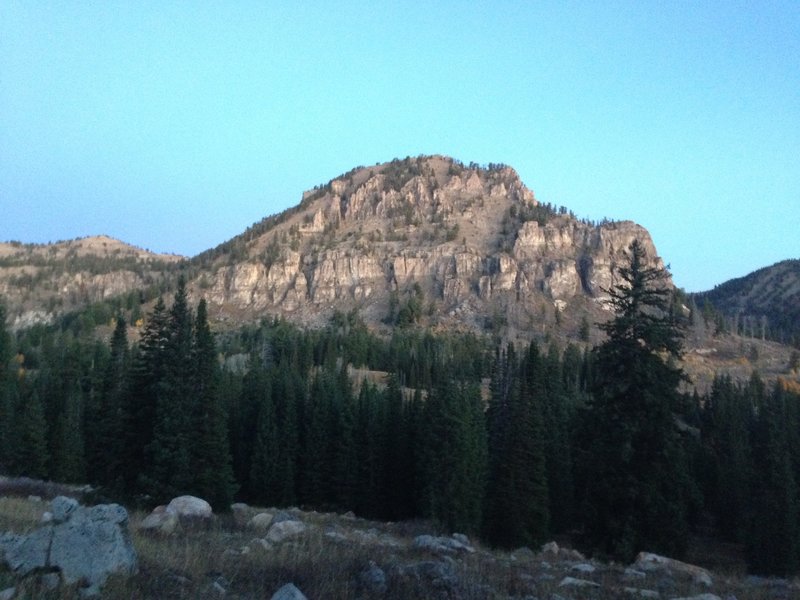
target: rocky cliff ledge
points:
(469, 241)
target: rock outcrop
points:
(85, 545)
(473, 241)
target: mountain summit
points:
(421, 239)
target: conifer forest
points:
(514, 444)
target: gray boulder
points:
(190, 507)
(445, 545)
(86, 545)
(288, 592)
(284, 530)
(160, 521)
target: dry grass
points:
(323, 565)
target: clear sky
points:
(175, 125)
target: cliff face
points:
(470, 246)
(472, 243)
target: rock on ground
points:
(86, 545)
(190, 507)
(284, 530)
(647, 561)
(288, 592)
(160, 521)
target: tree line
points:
(597, 444)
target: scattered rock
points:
(583, 568)
(86, 545)
(33, 498)
(373, 579)
(190, 507)
(349, 515)
(550, 548)
(241, 513)
(47, 516)
(161, 520)
(288, 592)
(283, 515)
(579, 583)
(632, 574)
(261, 521)
(523, 553)
(647, 561)
(442, 544)
(700, 597)
(285, 530)
(431, 574)
(8, 593)
(636, 592)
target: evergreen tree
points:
(264, 466)
(168, 472)
(517, 511)
(454, 456)
(147, 374)
(7, 381)
(209, 446)
(728, 422)
(30, 454)
(773, 543)
(68, 456)
(107, 453)
(635, 484)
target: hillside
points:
(765, 303)
(40, 281)
(425, 240)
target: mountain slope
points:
(765, 303)
(464, 246)
(40, 281)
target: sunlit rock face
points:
(470, 241)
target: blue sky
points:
(174, 126)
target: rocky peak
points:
(472, 242)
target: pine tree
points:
(517, 511)
(209, 446)
(30, 454)
(636, 484)
(6, 394)
(107, 453)
(773, 546)
(168, 472)
(147, 375)
(68, 456)
(454, 455)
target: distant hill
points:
(765, 303)
(41, 281)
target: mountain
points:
(41, 281)
(765, 303)
(424, 239)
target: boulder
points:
(578, 583)
(190, 507)
(86, 545)
(241, 513)
(261, 521)
(647, 561)
(160, 521)
(288, 592)
(285, 530)
(373, 579)
(447, 545)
